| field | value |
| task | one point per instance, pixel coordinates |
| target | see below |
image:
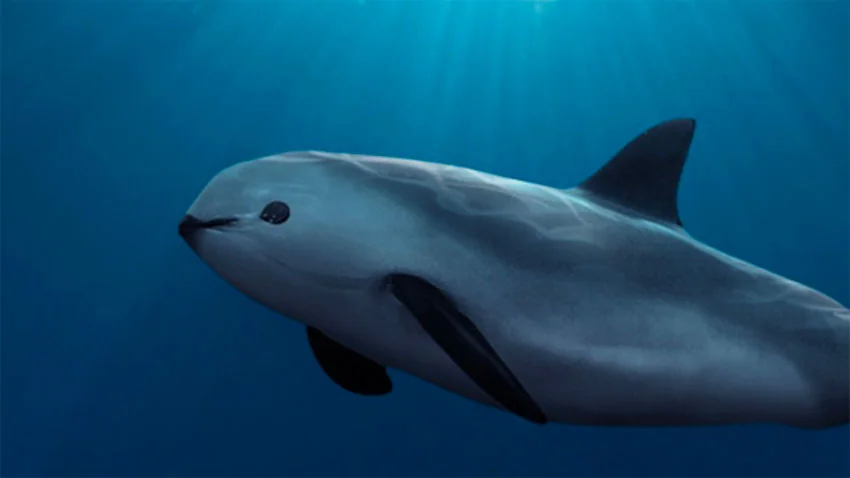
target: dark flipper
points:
(347, 368)
(464, 343)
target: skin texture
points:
(607, 316)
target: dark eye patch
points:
(275, 212)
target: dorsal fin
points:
(644, 175)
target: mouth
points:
(190, 225)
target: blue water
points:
(124, 355)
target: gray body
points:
(608, 314)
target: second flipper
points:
(347, 368)
(464, 343)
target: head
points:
(295, 230)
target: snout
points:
(190, 225)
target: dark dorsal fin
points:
(644, 175)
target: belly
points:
(654, 364)
(648, 364)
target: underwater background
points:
(124, 355)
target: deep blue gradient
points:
(123, 354)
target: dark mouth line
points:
(224, 221)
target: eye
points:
(275, 212)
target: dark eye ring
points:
(275, 212)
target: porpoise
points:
(590, 305)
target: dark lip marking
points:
(191, 224)
(223, 221)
